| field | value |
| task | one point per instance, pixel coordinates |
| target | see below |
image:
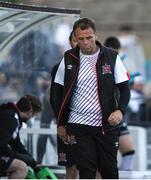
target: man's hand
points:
(115, 118)
(28, 159)
(62, 133)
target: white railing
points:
(138, 134)
(50, 156)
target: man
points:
(82, 97)
(126, 146)
(64, 156)
(14, 158)
(137, 105)
(72, 40)
(131, 47)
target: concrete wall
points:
(106, 12)
(110, 15)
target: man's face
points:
(25, 116)
(86, 40)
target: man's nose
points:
(85, 41)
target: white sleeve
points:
(120, 72)
(59, 77)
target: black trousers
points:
(93, 150)
(5, 163)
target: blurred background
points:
(110, 16)
(33, 41)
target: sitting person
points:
(14, 158)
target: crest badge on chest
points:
(106, 69)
